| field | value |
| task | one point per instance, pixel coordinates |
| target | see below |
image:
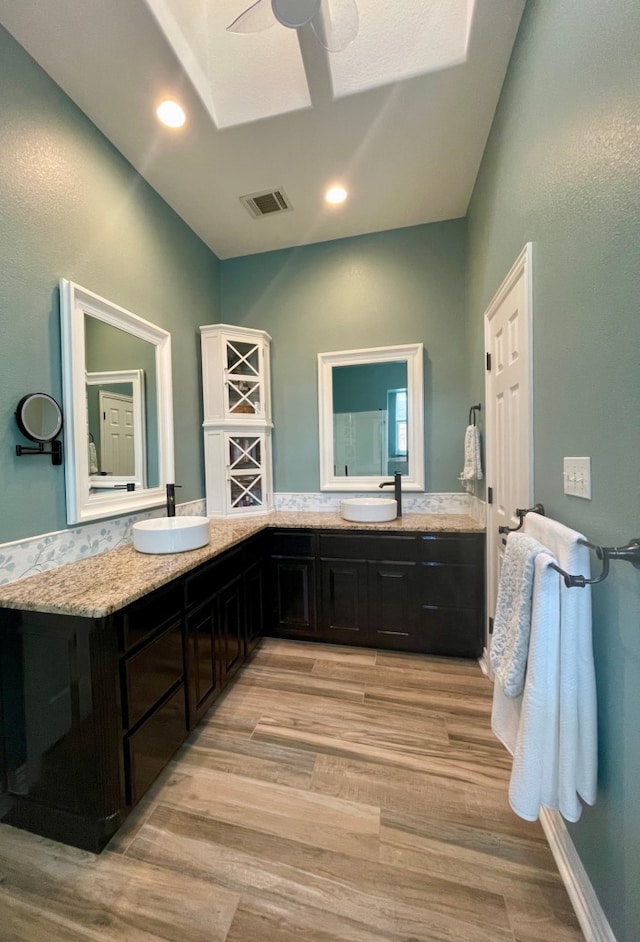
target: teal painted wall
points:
(562, 170)
(403, 286)
(73, 207)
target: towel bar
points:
(630, 553)
(521, 514)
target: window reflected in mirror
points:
(370, 419)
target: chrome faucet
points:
(397, 489)
(171, 499)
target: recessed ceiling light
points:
(336, 194)
(171, 113)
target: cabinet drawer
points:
(452, 548)
(362, 546)
(450, 585)
(150, 614)
(206, 581)
(292, 543)
(149, 749)
(151, 672)
(449, 632)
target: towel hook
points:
(472, 413)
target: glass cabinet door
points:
(245, 463)
(243, 378)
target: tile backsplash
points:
(47, 551)
(442, 503)
(39, 553)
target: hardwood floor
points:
(331, 795)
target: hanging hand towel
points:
(472, 470)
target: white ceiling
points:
(400, 117)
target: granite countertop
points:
(100, 585)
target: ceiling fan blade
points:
(256, 18)
(336, 24)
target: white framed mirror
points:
(107, 349)
(371, 417)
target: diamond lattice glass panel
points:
(245, 454)
(243, 359)
(246, 491)
(244, 397)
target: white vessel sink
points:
(369, 509)
(171, 534)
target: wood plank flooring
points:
(331, 795)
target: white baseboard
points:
(589, 912)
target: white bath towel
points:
(472, 470)
(551, 729)
(93, 459)
(512, 621)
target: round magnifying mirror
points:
(39, 417)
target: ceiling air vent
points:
(268, 203)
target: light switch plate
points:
(577, 477)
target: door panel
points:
(344, 598)
(509, 447)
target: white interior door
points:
(117, 451)
(509, 425)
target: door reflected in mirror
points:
(117, 441)
(371, 417)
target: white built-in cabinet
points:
(237, 420)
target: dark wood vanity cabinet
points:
(92, 709)
(409, 591)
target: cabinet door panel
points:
(202, 659)
(344, 598)
(449, 631)
(295, 604)
(391, 601)
(231, 634)
(255, 601)
(451, 585)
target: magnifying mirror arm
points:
(55, 452)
